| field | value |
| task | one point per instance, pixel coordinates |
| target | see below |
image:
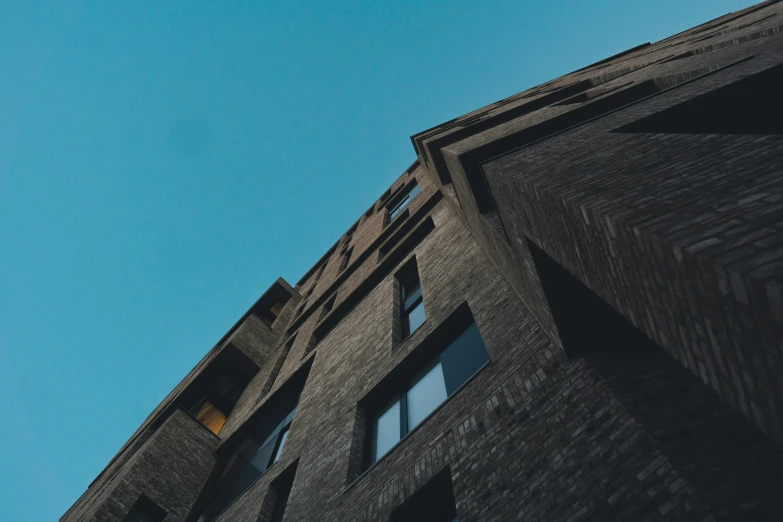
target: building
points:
(569, 307)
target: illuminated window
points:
(211, 417)
(214, 408)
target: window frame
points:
(407, 272)
(406, 311)
(397, 384)
(402, 398)
(402, 200)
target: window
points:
(328, 306)
(300, 309)
(416, 398)
(211, 417)
(269, 306)
(433, 502)
(145, 510)
(349, 234)
(412, 304)
(214, 408)
(282, 490)
(320, 272)
(346, 258)
(385, 195)
(270, 315)
(405, 197)
(260, 446)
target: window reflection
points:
(419, 397)
(426, 395)
(416, 317)
(387, 430)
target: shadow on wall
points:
(735, 470)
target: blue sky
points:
(161, 163)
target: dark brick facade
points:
(615, 236)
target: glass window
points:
(407, 196)
(265, 452)
(412, 313)
(211, 417)
(419, 397)
(283, 437)
(416, 317)
(412, 293)
(214, 407)
(463, 358)
(387, 430)
(427, 394)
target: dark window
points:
(346, 258)
(418, 397)
(328, 306)
(411, 302)
(318, 275)
(310, 291)
(402, 200)
(282, 488)
(270, 315)
(369, 212)
(145, 510)
(433, 502)
(349, 234)
(259, 449)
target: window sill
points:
(420, 424)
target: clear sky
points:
(161, 163)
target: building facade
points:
(569, 307)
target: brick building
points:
(569, 307)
